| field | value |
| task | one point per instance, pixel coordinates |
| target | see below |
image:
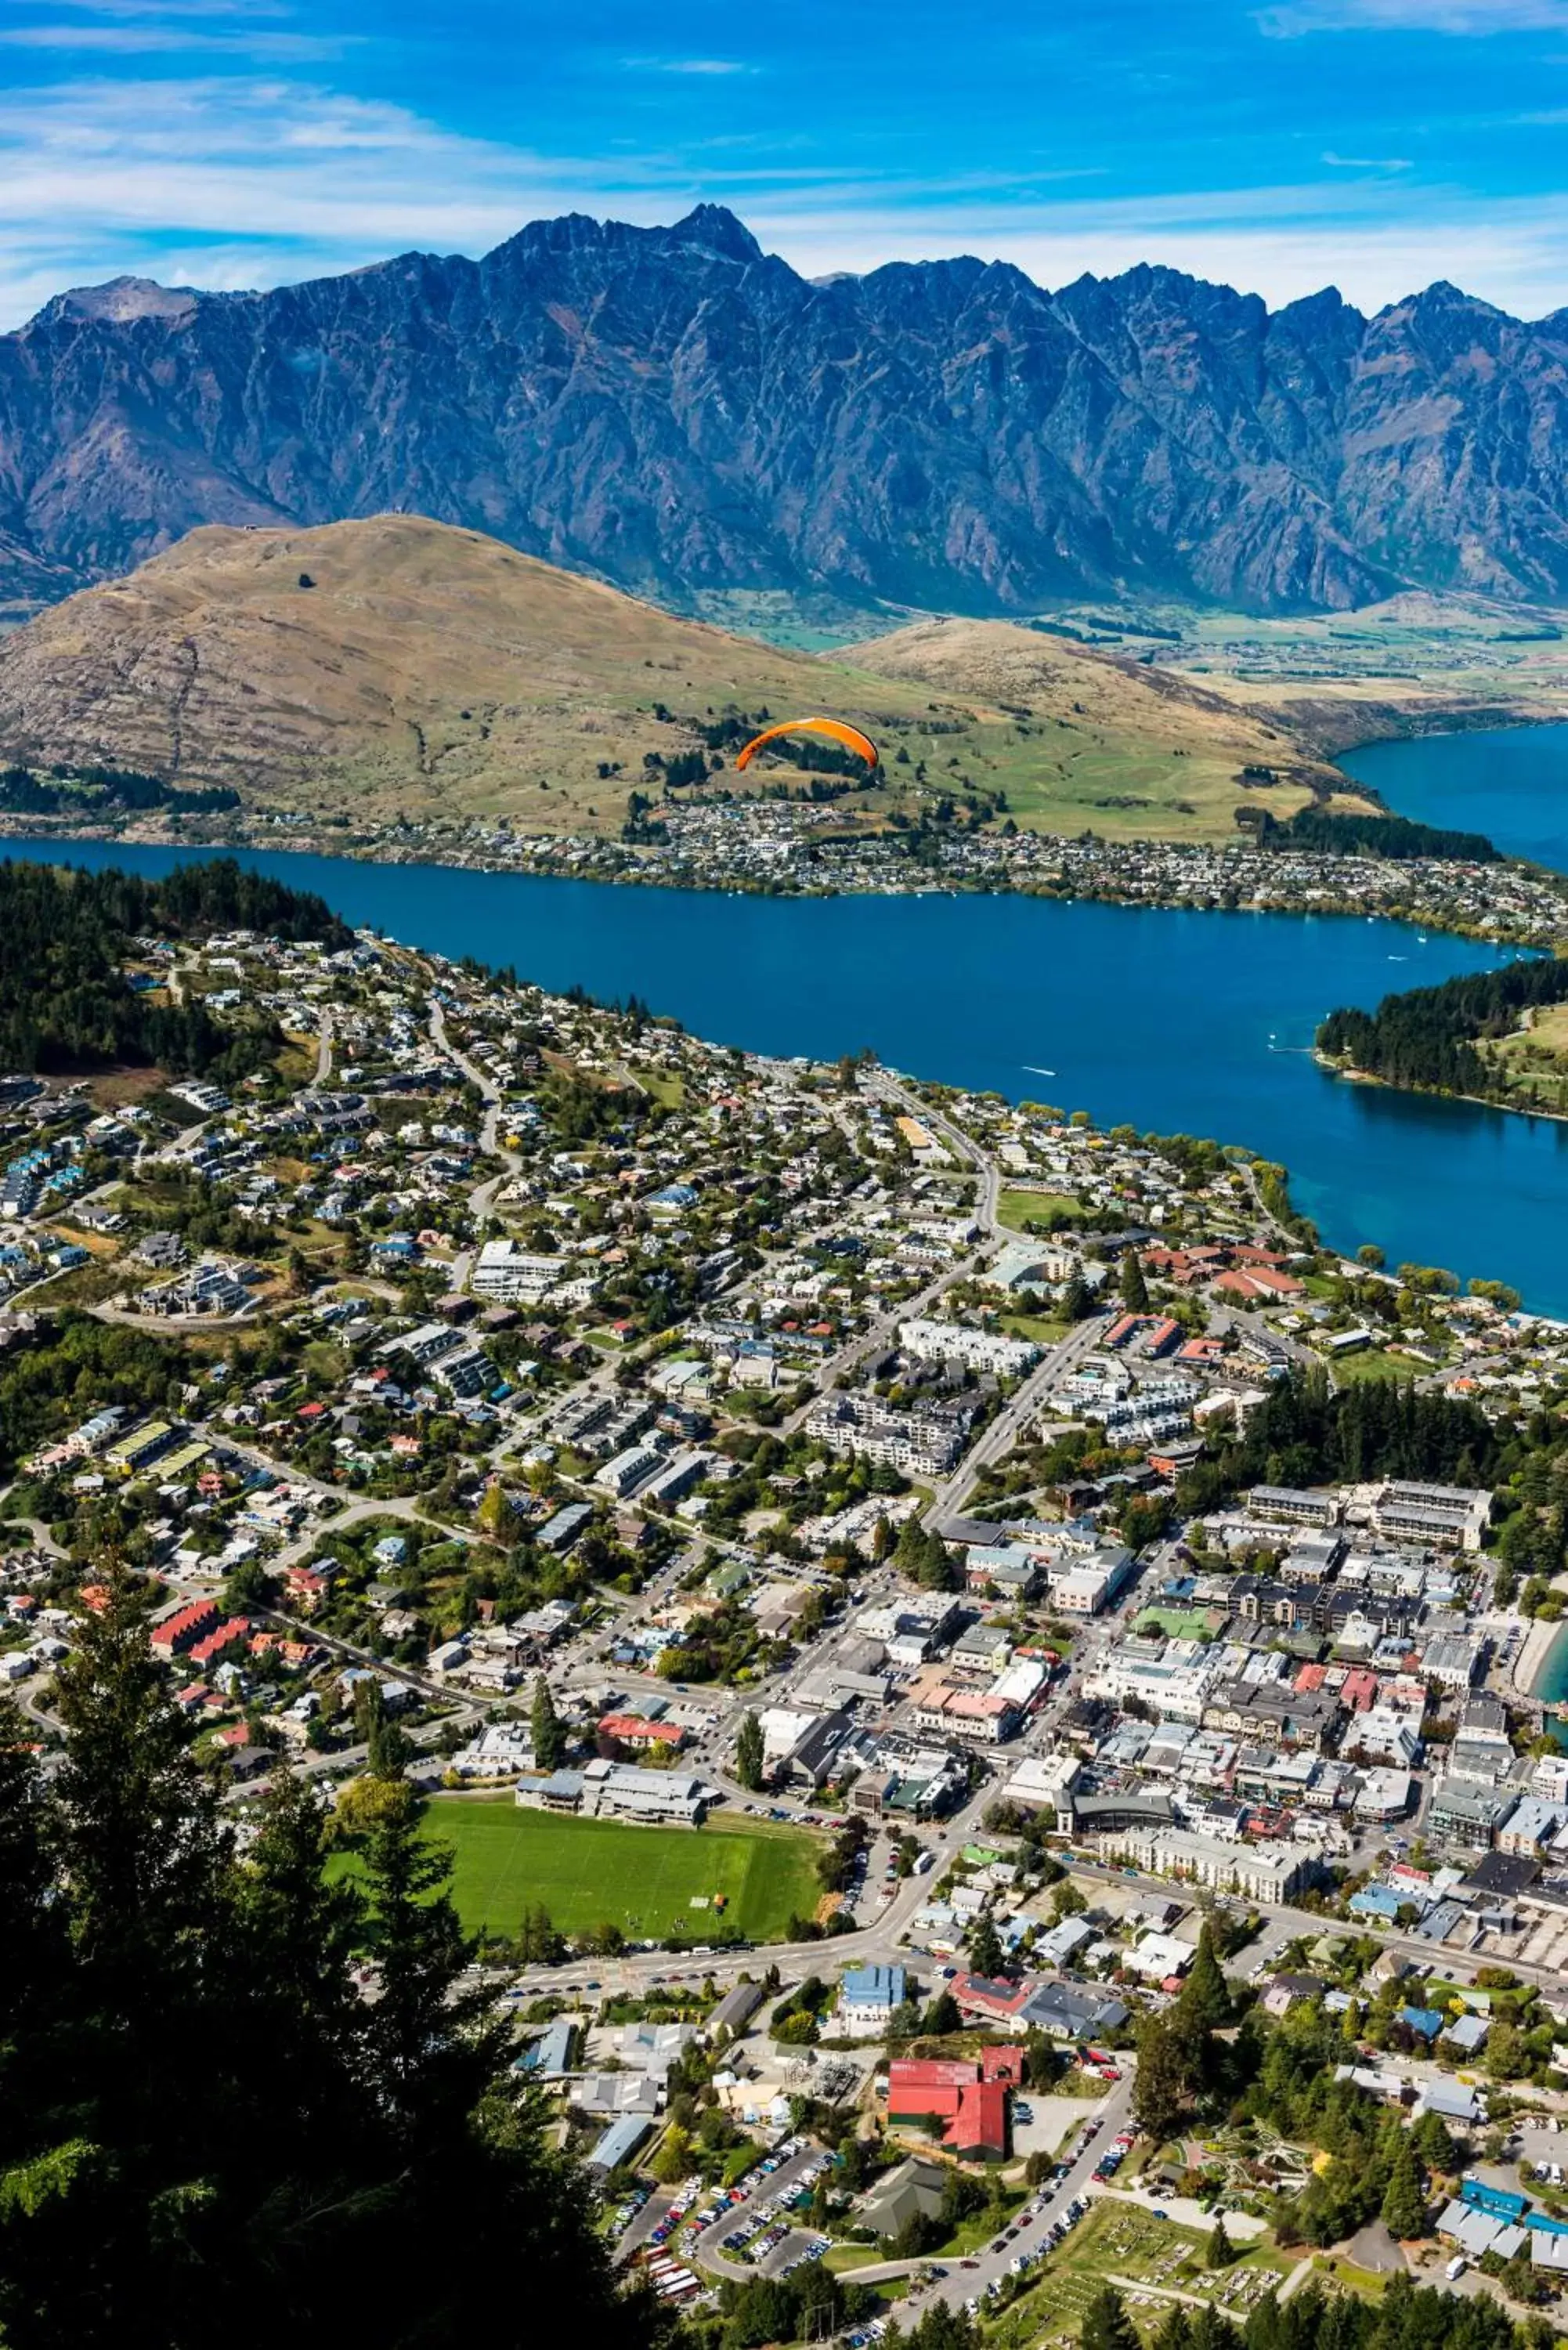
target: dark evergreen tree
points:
(1205, 2002)
(749, 1751)
(1133, 1287)
(1404, 2201)
(549, 1736)
(1107, 2326)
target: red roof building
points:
(989, 1999)
(179, 1632)
(633, 1729)
(1261, 1281)
(233, 1628)
(969, 2098)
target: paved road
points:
(969, 1154)
(1012, 1420)
(881, 1334)
(962, 2283)
(483, 1197)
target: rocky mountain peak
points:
(715, 229)
(122, 300)
(674, 411)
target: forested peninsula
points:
(1434, 1039)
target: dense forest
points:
(1398, 836)
(205, 2130)
(65, 935)
(1305, 1432)
(99, 790)
(1427, 1037)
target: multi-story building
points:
(977, 1350)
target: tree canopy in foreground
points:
(207, 2129)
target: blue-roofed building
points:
(673, 1195)
(867, 1996)
(619, 2142)
(549, 2054)
(1501, 2202)
(1425, 2021)
(1376, 1901)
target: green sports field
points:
(588, 1873)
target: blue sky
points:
(1374, 144)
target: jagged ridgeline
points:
(946, 434)
(67, 964)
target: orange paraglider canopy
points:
(850, 737)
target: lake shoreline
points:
(1235, 877)
(1533, 1665)
(1353, 1076)
(1171, 1021)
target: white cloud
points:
(263, 45)
(704, 66)
(228, 181)
(1291, 19)
(1365, 163)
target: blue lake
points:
(1510, 781)
(1176, 1022)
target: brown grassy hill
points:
(1080, 740)
(424, 668)
(402, 666)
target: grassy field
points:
(589, 1873)
(1019, 1209)
(1536, 1057)
(1179, 1623)
(1036, 1326)
(1371, 1364)
(1081, 741)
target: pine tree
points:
(749, 1752)
(942, 2016)
(299, 1930)
(388, 1747)
(1205, 2002)
(1403, 2202)
(1159, 2086)
(1133, 1287)
(1107, 2326)
(985, 1951)
(1076, 1303)
(549, 1736)
(1220, 2251)
(141, 1840)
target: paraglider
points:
(834, 728)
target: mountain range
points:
(675, 410)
